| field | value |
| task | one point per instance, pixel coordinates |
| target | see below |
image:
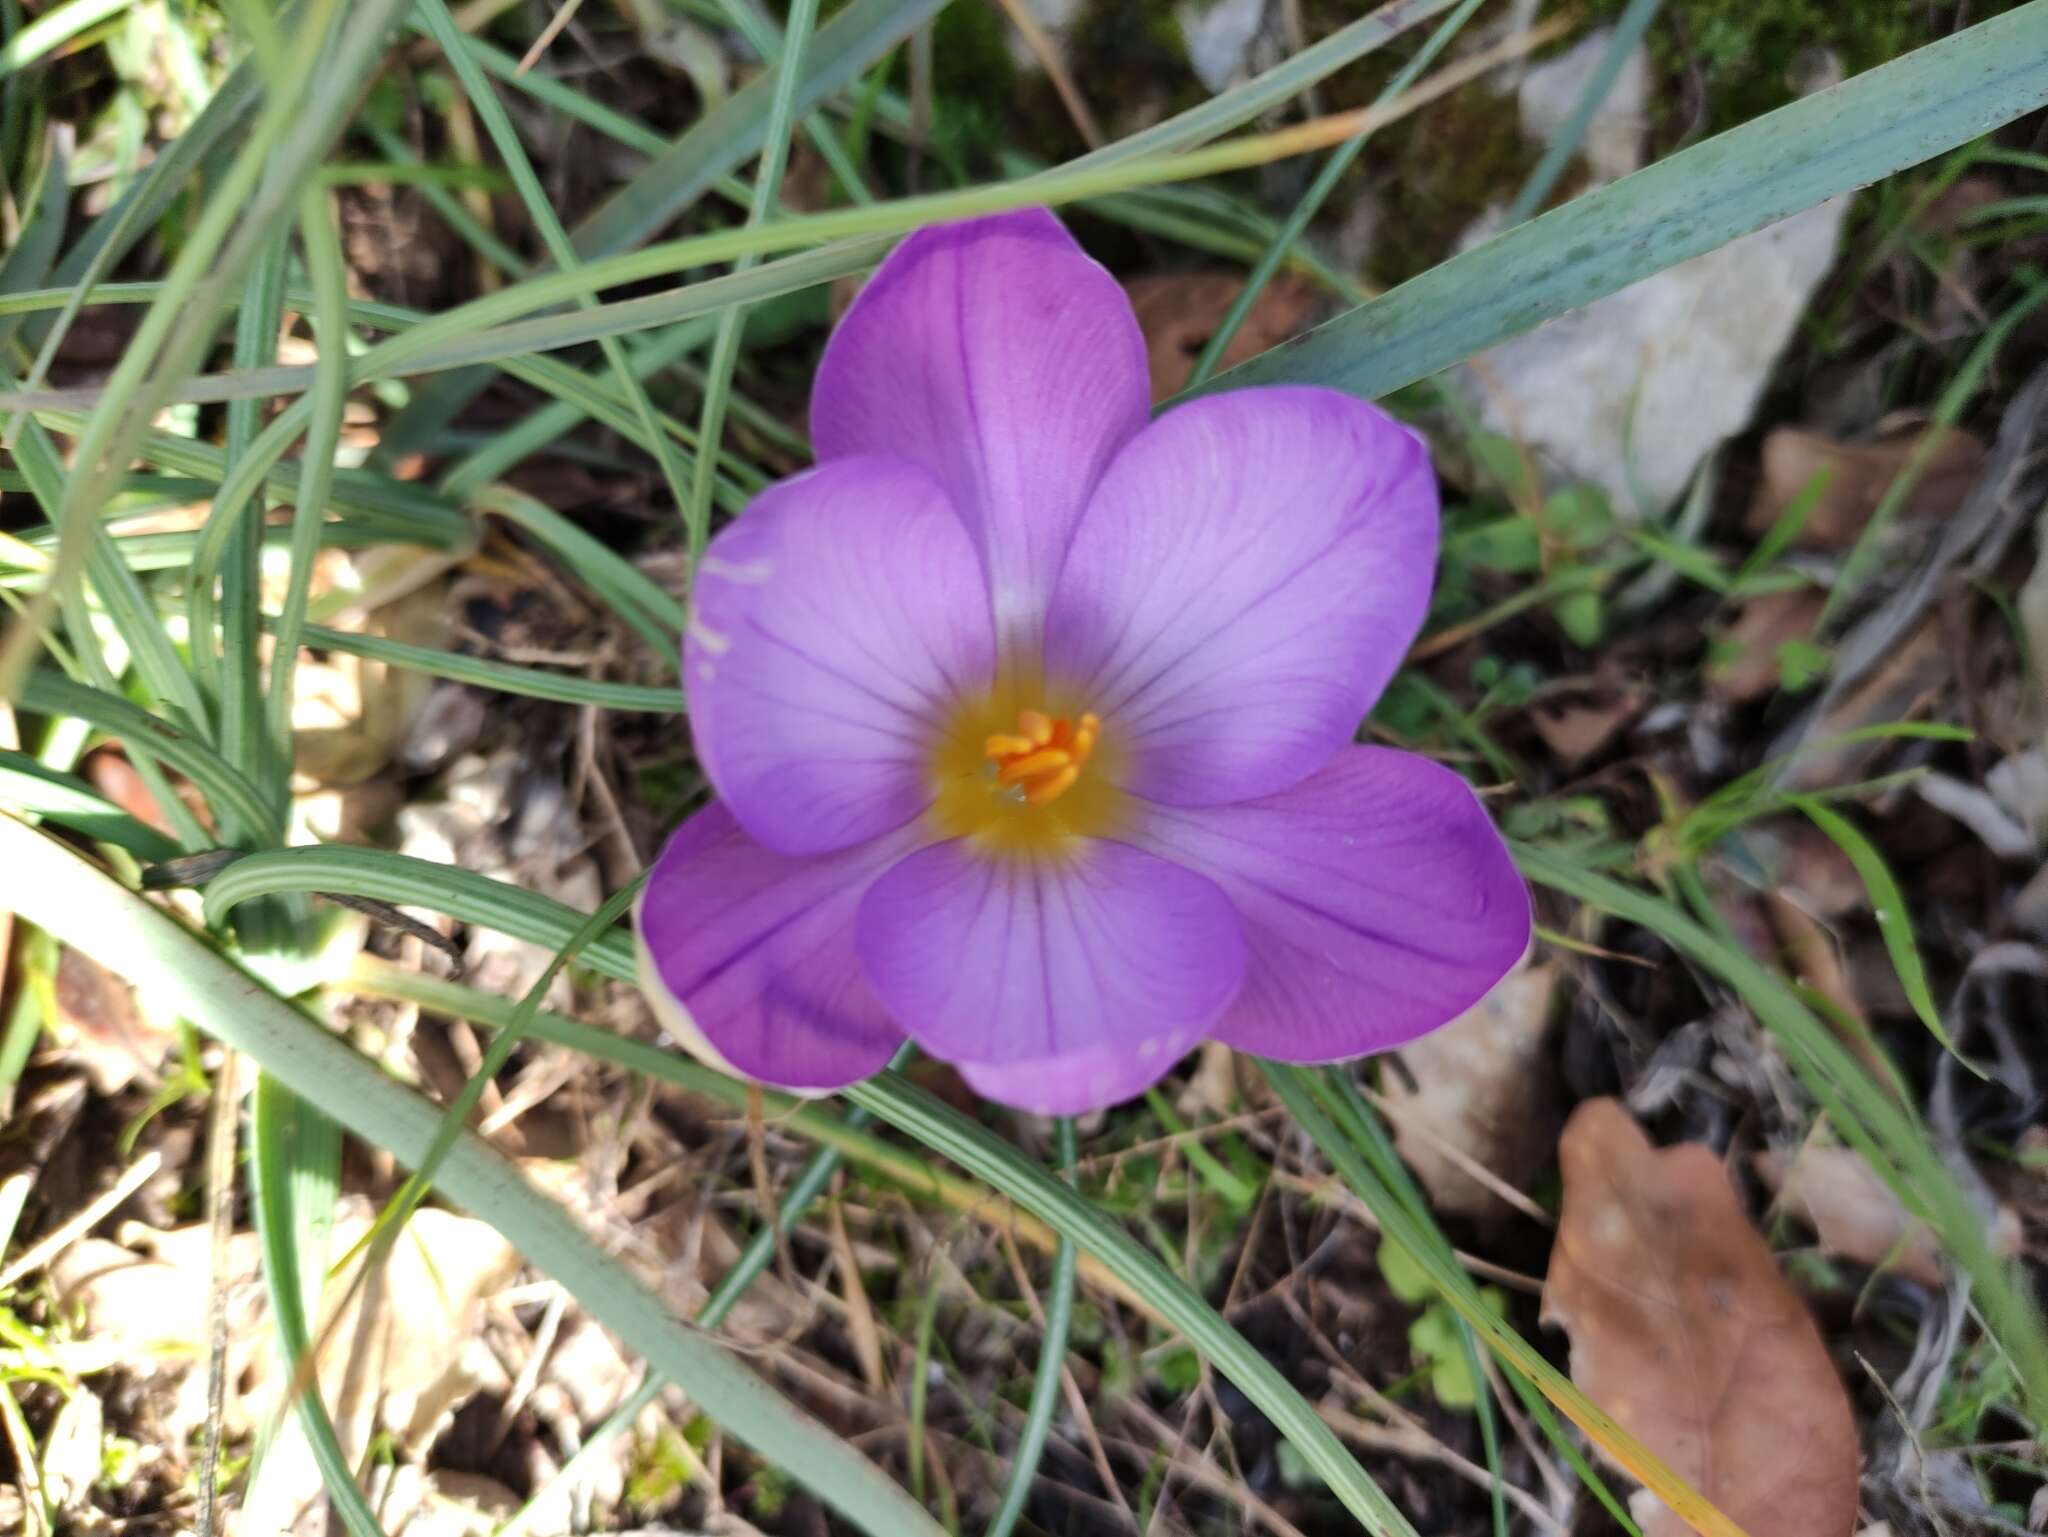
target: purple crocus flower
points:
(1031, 718)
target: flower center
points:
(1023, 770)
(1042, 759)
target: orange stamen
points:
(1044, 756)
(1030, 766)
(1054, 787)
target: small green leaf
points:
(1580, 516)
(1582, 615)
(1502, 461)
(1888, 906)
(1508, 545)
(1801, 664)
(1438, 1342)
(1405, 1277)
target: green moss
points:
(1434, 173)
(1744, 55)
(971, 54)
(1126, 52)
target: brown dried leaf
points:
(1480, 1090)
(1834, 1192)
(1855, 1214)
(1953, 204)
(1858, 476)
(1684, 1331)
(1813, 868)
(1575, 729)
(1179, 312)
(1900, 688)
(1764, 623)
(98, 1019)
(348, 713)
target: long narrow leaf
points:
(1832, 142)
(128, 934)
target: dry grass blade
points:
(1049, 55)
(32, 1259)
(220, 1212)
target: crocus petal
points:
(748, 958)
(1003, 360)
(1248, 576)
(1056, 985)
(1378, 902)
(838, 622)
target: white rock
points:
(1549, 93)
(1055, 16)
(1219, 38)
(1630, 393)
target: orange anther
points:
(1053, 787)
(1044, 761)
(1041, 760)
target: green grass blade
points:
(880, 30)
(630, 592)
(725, 348)
(950, 1134)
(739, 128)
(322, 245)
(503, 677)
(149, 647)
(233, 798)
(494, 458)
(1887, 1132)
(1279, 84)
(54, 28)
(809, 1184)
(1834, 141)
(154, 657)
(27, 265)
(1628, 32)
(1888, 906)
(542, 212)
(550, 92)
(767, 39)
(296, 124)
(1310, 202)
(1299, 1090)
(1948, 408)
(683, 171)
(294, 1181)
(1052, 1363)
(46, 882)
(32, 789)
(236, 678)
(875, 1156)
(405, 881)
(1340, 1098)
(114, 233)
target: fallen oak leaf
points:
(1683, 1330)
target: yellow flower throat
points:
(1019, 771)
